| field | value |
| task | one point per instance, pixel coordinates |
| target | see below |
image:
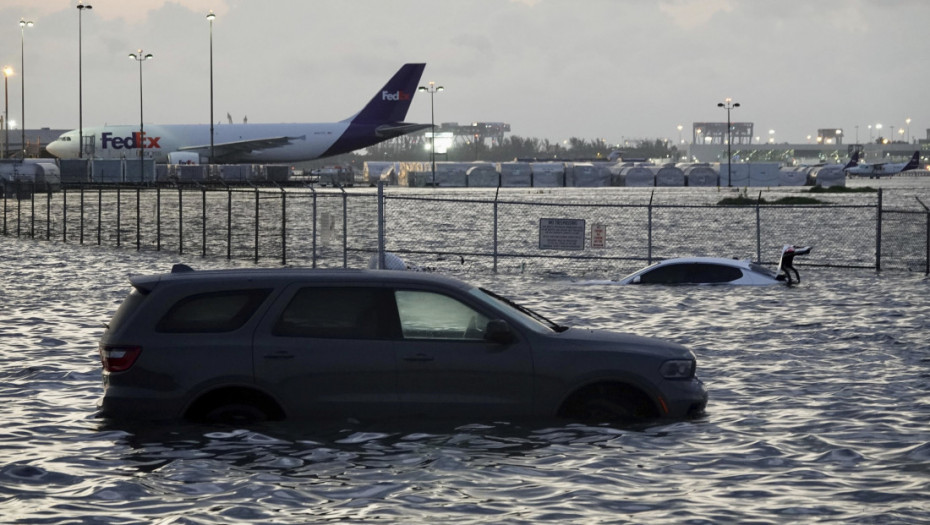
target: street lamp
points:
(23, 24)
(140, 143)
(7, 72)
(81, 6)
(680, 127)
(210, 17)
(728, 104)
(908, 122)
(432, 90)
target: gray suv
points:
(296, 343)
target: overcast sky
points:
(610, 69)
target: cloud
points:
(689, 14)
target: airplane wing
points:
(225, 149)
(399, 128)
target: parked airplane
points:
(380, 120)
(885, 168)
(853, 161)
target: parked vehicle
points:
(294, 343)
(719, 270)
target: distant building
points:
(36, 140)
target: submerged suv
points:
(293, 343)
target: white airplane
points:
(885, 168)
(380, 120)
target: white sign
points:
(598, 235)
(561, 234)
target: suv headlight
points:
(678, 369)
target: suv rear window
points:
(212, 312)
(338, 313)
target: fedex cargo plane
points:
(381, 119)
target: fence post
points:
(119, 216)
(32, 211)
(64, 214)
(4, 207)
(48, 214)
(180, 221)
(927, 235)
(158, 218)
(283, 227)
(99, 212)
(203, 221)
(81, 213)
(381, 263)
(649, 242)
(345, 227)
(256, 224)
(878, 234)
(228, 222)
(19, 209)
(758, 229)
(138, 219)
(314, 222)
(496, 194)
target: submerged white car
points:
(719, 270)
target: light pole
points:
(210, 17)
(908, 122)
(140, 142)
(7, 71)
(680, 127)
(432, 90)
(728, 104)
(81, 6)
(23, 24)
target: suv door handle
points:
(418, 358)
(279, 355)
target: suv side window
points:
(338, 313)
(429, 315)
(212, 312)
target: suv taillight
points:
(117, 358)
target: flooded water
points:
(819, 410)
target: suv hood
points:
(587, 339)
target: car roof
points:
(276, 275)
(742, 263)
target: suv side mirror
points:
(498, 331)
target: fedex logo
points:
(396, 96)
(133, 141)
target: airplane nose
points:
(55, 148)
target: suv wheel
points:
(235, 413)
(609, 402)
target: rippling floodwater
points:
(819, 412)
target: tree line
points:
(514, 147)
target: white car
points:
(719, 270)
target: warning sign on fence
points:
(598, 235)
(561, 234)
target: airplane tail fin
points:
(853, 161)
(914, 163)
(391, 102)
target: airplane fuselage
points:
(308, 141)
(885, 169)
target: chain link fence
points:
(601, 231)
